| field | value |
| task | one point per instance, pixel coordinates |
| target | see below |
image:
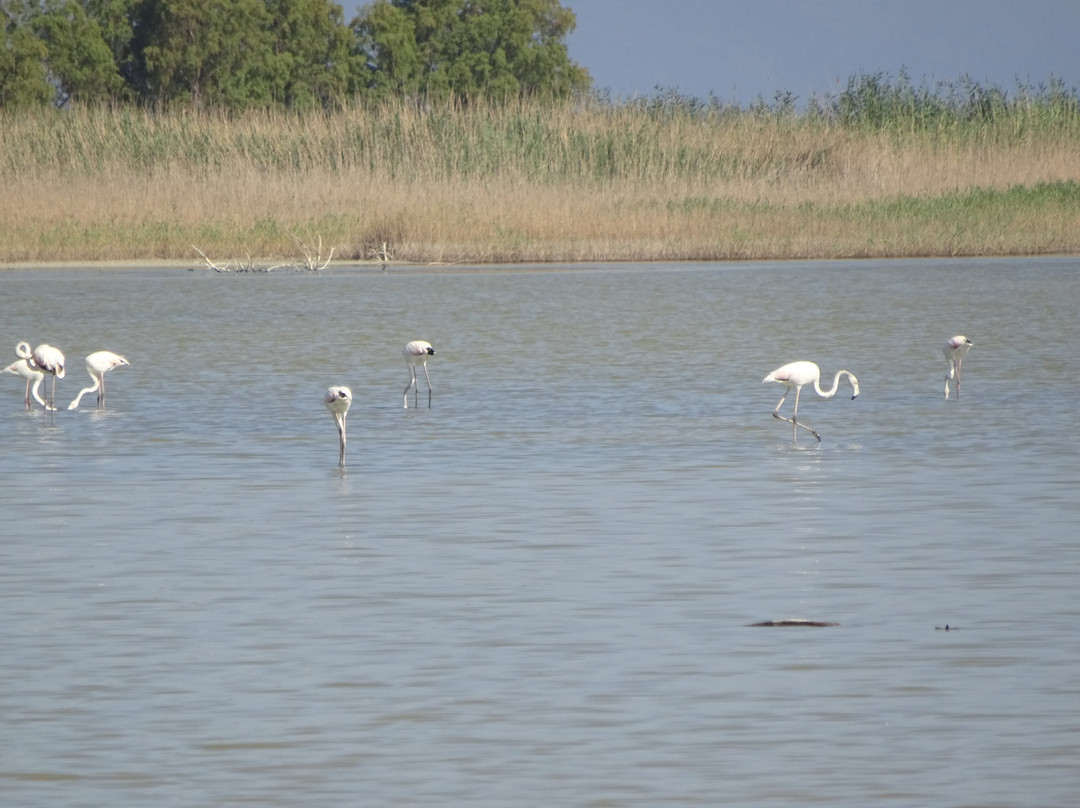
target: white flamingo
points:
(26, 369)
(97, 365)
(50, 360)
(338, 400)
(416, 353)
(793, 376)
(954, 350)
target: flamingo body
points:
(97, 365)
(954, 349)
(416, 353)
(338, 400)
(794, 376)
(26, 370)
(49, 360)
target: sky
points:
(740, 50)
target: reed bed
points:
(524, 183)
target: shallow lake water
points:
(537, 591)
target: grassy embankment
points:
(662, 180)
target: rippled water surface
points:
(538, 591)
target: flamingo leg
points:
(954, 372)
(428, 386)
(341, 434)
(794, 420)
(409, 386)
(958, 363)
(776, 412)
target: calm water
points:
(536, 592)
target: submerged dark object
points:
(794, 621)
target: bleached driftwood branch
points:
(313, 260)
(235, 265)
(381, 254)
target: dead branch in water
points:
(312, 258)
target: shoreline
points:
(191, 266)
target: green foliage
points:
(79, 58)
(24, 80)
(313, 53)
(205, 53)
(467, 49)
(297, 54)
(878, 102)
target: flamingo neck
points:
(835, 385)
(74, 404)
(38, 379)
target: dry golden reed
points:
(528, 183)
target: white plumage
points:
(338, 400)
(416, 353)
(954, 350)
(796, 374)
(97, 365)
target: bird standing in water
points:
(954, 351)
(796, 374)
(416, 353)
(97, 365)
(50, 360)
(26, 369)
(338, 400)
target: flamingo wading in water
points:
(50, 360)
(26, 369)
(338, 400)
(97, 365)
(416, 353)
(954, 350)
(793, 376)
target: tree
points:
(24, 78)
(205, 53)
(313, 50)
(295, 53)
(494, 49)
(79, 60)
(116, 19)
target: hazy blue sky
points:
(740, 49)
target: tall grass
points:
(663, 178)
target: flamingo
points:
(97, 365)
(794, 376)
(29, 371)
(338, 400)
(50, 360)
(417, 353)
(954, 350)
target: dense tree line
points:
(281, 53)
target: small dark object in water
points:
(796, 621)
(945, 627)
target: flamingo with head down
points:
(338, 400)
(50, 360)
(416, 353)
(97, 365)
(26, 369)
(954, 349)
